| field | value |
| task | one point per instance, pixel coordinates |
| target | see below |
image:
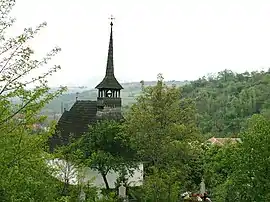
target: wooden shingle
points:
(75, 122)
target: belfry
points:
(109, 88)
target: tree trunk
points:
(105, 181)
(65, 187)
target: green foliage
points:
(162, 127)
(160, 117)
(240, 172)
(25, 175)
(219, 165)
(161, 186)
(227, 100)
(105, 147)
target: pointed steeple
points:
(109, 81)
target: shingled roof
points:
(109, 81)
(75, 122)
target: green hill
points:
(226, 101)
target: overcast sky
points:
(183, 39)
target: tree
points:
(250, 177)
(15, 67)
(162, 126)
(243, 168)
(24, 172)
(159, 187)
(106, 148)
(219, 164)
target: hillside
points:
(226, 101)
(128, 94)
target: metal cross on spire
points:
(111, 18)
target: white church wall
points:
(136, 179)
(65, 170)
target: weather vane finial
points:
(111, 18)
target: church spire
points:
(110, 66)
(109, 81)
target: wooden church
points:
(85, 112)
